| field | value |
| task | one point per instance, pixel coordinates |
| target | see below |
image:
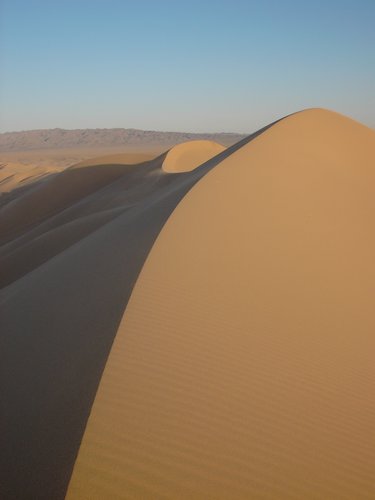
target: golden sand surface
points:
(71, 249)
(243, 365)
(190, 155)
(192, 324)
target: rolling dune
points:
(70, 269)
(48, 198)
(242, 367)
(55, 214)
(15, 175)
(190, 155)
(195, 326)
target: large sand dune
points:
(230, 307)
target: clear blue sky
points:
(183, 65)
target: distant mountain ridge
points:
(61, 138)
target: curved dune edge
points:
(83, 254)
(190, 155)
(242, 367)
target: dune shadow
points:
(60, 318)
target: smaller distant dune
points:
(189, 155)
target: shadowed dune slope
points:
(243, 365)
(119, 158)
(64, 209)
(73, 248)
(189, 155)
(55, 194)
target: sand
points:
(58, 159)
(231, 309)
(190, 155)
(72, 250)
(15, 175)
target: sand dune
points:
(15, 175)
(72, 293)
(190, 155)
(60, 158)
(230, 307)
(49, 198)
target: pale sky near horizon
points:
(186, 66)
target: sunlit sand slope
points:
(189, 155)
(243, 365)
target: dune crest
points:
(190, 155)
(203, 335)
(242, 367)
(72, 250)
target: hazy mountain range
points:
(61, 138)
